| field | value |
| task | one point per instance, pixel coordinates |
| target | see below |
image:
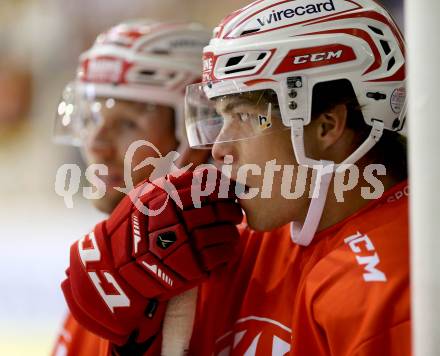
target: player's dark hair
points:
(391, 150)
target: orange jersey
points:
(74, 340)
(346, 294)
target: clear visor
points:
(68, 125)
(81, 113)
(229, 118)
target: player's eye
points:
(127, 124)
(243, 116)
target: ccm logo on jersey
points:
(305, 58)
(89, 252)
(361, 244)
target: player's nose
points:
(222, 149)
(100, 141)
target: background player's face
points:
(119, 126)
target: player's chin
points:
(108, 202)
(258, 216)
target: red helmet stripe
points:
(233, 15)
(312, 57)
(251, 83)
(398, 76)
(365, 36)
(372, 15)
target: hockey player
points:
(302, 101)
(129, 88)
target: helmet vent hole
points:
(376, 30)
(247, 32)
(234, 61)
(386, 47)
(261, 56)
(118, 43)
(391, 63)
(147, 73)
(161, 52)
(245, 69)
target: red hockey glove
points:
(122, 274)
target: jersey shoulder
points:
(373, 246)
(362, 277)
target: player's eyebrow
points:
(231, 104)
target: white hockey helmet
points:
(288, 47)
(142, 61)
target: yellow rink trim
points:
(29, 343)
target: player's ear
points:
(329, 127)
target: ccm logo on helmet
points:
(317, 57)
(276, 16)
(305, 58)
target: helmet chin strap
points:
(303, 234)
